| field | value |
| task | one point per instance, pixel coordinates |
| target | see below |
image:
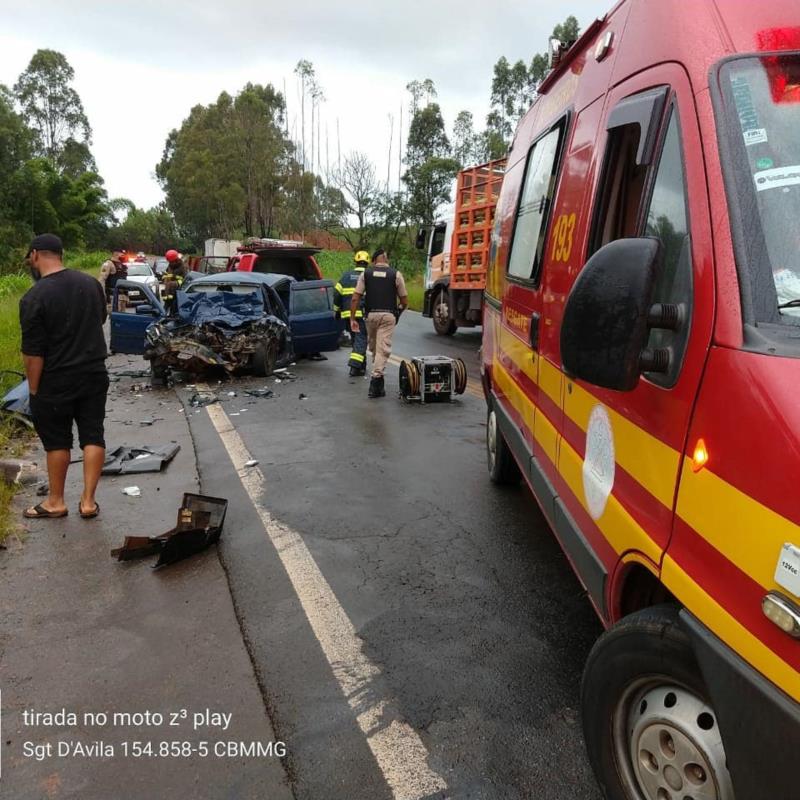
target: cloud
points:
(141, 66)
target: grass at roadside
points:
(333, 264)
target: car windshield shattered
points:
(217, 329)
(761, 105)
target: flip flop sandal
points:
(40, 512)
(89, 514)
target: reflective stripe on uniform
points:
(357, 357)
(346, 314)
(347, 290)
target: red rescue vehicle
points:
(641, 364)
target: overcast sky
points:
(140, 66)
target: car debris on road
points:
(199, 524)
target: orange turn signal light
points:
(700, 456)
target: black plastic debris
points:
(198, 400)
(302, 396)
(122, 460)
(199, 524)
(259, 392)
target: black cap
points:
(46, 241)
(379, 252)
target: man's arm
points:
(355, 304)
(402, 294)
(34, 366)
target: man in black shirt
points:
(64, 351)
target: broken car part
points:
(199, 524)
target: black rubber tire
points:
(650, 642)
(159, 377)
(503, 470)
(264, 358)
(448, 328)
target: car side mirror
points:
(609, 314)
(422, 235)
(145, 309)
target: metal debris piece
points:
(199, 399)
(259, 392)
(302, 396)
(132, 373)
(251, 463)
(199, 524)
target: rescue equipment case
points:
(432, 379)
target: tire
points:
(264, 358)
(649, 728)
(503, 470)
(159, 377)
(443, 322)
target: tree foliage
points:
(51, 105)
(225, 170)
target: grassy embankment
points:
(333, 264)
(13, 436)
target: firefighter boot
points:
(376, 387)
(357, 372)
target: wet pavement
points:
(456, 589)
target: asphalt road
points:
(467, 616)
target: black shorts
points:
(53, 416)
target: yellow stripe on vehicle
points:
(747, 533)
(551, 381)
(733, 633)
(518, 352)
(647, 459)
(618, 527)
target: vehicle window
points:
(622, 188)
(210, 288)
(667, 219)
(311, 301)
(139, 269)
(278, 264)
(761, 105)
(536, 198)
(437, 240)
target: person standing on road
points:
(343, 294)
(386, 298)
(110, 272)
(173, 280)
(64, 352)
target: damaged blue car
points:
(232, 321)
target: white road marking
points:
(397, 747)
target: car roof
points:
(263, 278)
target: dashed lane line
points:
(396, 746)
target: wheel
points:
(502, 467)
(264, 358)
(649, 727)
(159, 377)
(408, 379)
(459, 375)
(442, 322)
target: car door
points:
(128, 324)
(620, 452)
(312, 318)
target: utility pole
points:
(339, 146)
(400, 151)
(389, 159)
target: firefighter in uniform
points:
(343, 294)
(173, 279)
(386, 298)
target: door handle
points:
(534, 337)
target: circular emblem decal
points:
(598, 465)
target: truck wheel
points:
(264, 358)
(443, 324)
(650, 730)
(502, 467)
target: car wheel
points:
(502, 467)
(443, 323)
(650, 730)
(264, 358)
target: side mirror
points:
(145, 309)
(422, 235)
(608, 316)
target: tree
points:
(359, 185)
(467, 146)
(50, 105)
(567, 31)
(429, 186)
(305, 71)
(427, 137)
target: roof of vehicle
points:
(268, 278)
(266, 247)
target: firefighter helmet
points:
(171, 255)
(361, 255)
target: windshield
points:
(761, 100)
(234, 288)
(139, 269)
